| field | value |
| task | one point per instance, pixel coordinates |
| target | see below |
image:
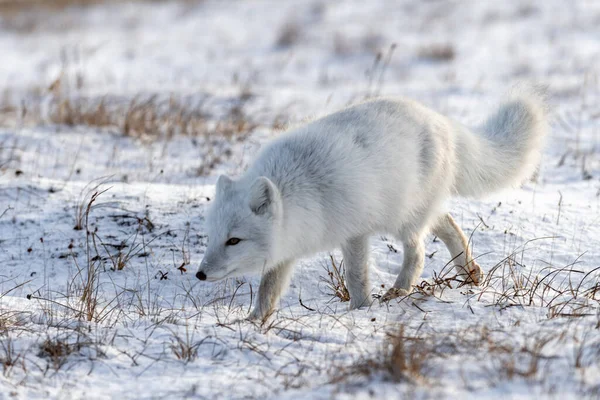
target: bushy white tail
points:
(506, 149)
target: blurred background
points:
(227, 71)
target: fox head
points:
(241, 225)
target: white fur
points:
(380, 166)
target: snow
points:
(530, 331)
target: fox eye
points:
(232, 241)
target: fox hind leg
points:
(458, 245)
(412, 266)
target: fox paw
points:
(472, 276)
(259, 316)
(393, 293)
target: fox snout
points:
(201, 275)
(203, 270)
(212, 269)
(207, 272)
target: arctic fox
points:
(383, 166)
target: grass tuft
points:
(335, 281)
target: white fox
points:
(383, 166)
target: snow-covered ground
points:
(117, 312)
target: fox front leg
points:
(356, 257)
(272, 285)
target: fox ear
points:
(223, 183)
(263, 196)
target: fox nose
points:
(201, 275)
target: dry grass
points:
(150, 116)
(215, 124)
(376, 73)
(563, 290)
(418, 356)
(146, 117)
(335, 281)
(437, 52)
(54, 5)
(89, 296)
(185, 348)
(84, 300)
(10, 357)
(89, 195)
(289, 35)
(10, 321)
(406, 357)
(33, 16)
(57, 351)
(402, 358)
